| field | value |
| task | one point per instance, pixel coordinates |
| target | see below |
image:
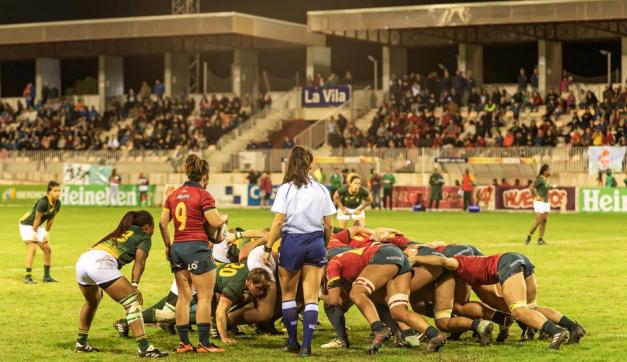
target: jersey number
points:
(180, 213)
(124, 237)
(230, 269)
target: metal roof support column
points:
(318, 61)
(549, 65)
(110, 79)
(470, 59)
(623, 57)
(245, 73)
(176, 74)
(47, 74)
(394, 62)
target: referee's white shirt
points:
(303, 207)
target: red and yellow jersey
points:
(349, 264)
(478, 270)
(187, 206)
(344, 238)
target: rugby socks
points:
(149, 316)
(46, 271)
(499, 317)
(142, 343)
(183, 332)
(203, 333)
(310, 322)
(431, 332)
(82, 336)
(289, 310)
(408, 332)
(566, 323)
(550, 328)
(386, 317)
(28, 272)
(377, 326)
(475, 324)
(337, 319)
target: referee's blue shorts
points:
(302, 249)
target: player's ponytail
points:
(543, 169)
(196, 167)
(137, 218)
(298, 166)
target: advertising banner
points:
(452, 198)
(602, 199)
(22, 194)
(255, 195)
(86, 174)
(325, 97)
(601, 158)
(512, 198)
(100, 195)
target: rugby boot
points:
(378, 337)
(576, 333)
(211, 348)
(336, 343)
(184, 348)
(291, 348)
(152, 352)
(436, 343)
(504, 330)
(29, 280)
(121, 326)
(484, 331)
(559, 339)
(85, 348)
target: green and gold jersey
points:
(231, 280)
(233, 253)
(542, 188)
(124, 247)
(44, 206)
(388, 180)
(352, 201)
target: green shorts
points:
(390, 254)
(194, 256)
(511, 264)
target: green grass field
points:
(581, 273)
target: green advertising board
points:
(602, 199)
(21, 194)
(100, 195)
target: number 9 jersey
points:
(187, 206)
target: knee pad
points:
(366, 284)
(532, 304)
(442, 314)
(133, 308)
(397, 300)
(518, 304)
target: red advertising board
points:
(511, 198)
(452, 198)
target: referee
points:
(304, 219)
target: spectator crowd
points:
(144, 120)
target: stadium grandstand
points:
(471, 105)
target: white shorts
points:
(352, 215)
(220, 252)
(175, 290)
(255, 260)
(95, 267)
(541, 207)
(26, 231)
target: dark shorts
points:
(457, 250)
(423, 250)
(511, 264)
(267, 195)
(333, 252)
(194, 256)
(302, 249)
(392, 255)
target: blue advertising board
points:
(325, 97)
(255, 195)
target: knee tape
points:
(442, 314)
(532, 304)
(518, 304)
(397, 300)
(133, 308)
(366, 284)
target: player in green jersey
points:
(98, 269)
(352, 201)
(541, 205)
(35, 228)
(236, 285)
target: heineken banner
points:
(22, 194)
(86, 174)
(512, 198)
(602, 158)
(606, 199)
(100, 195)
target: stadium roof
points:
(480, 23)
(152, 34)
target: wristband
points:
(134, 284)
(267, 249)
(238, 234)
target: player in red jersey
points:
(372, 268)
(361, 237)
(515, 273)
(191, 207)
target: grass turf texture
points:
(581, 273)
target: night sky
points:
(582, 59)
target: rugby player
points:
(191, 207)
(352, 201)
(541, 205)
(515, 273)
(98, 269)
(35, 228)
